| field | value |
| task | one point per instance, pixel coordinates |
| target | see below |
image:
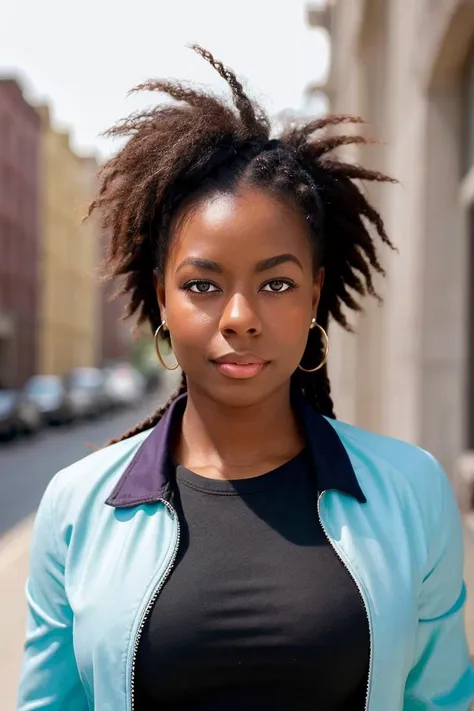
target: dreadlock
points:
(200, 144)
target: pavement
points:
(469, 578)
(14, 560)
(16, 517)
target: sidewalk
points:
(469, 578)
(14, 550)
(13, 571)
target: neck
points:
(219, 441)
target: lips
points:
(240, 366)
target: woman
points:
(241, 548)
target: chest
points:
(257, 598)
(127, 561)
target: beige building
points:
(408, 68)
(70, 306)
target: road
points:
(27, 465)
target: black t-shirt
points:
(259, 612)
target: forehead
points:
(249, 225)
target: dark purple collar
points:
(150, 475)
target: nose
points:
(239, 318)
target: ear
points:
(317, 289)
(159, 286)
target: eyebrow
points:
(206, 264)
(262, 266)
(276, 261)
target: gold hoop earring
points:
(157, 347)
(326, 349)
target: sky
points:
(83, 57)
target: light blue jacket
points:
(106, 536)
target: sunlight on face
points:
(240, 280)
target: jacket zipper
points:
(170, 568)
(359, 587)
(151, 602)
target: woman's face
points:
(239, 294)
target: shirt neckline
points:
(236, 487)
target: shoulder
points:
(394, 451)
(390, 463)
(92, 478)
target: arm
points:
(442, 676)
(49, 678)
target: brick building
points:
(19, 234)
(115, 334)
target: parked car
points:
(18, 414)
(86, 390)
(49, 393)
(124, 385)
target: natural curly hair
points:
(199, 144)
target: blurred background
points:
(72, 376)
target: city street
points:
(27, 465)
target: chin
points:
(240, 397)
(237, 393)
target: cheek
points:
(188, 322)
(290, 313)
(290, 326)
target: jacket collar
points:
(150, 475)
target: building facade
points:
(116, 339)
(408, 68)
(19, 235)
(70, 293)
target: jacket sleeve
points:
(49, 678)
(443, 675)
